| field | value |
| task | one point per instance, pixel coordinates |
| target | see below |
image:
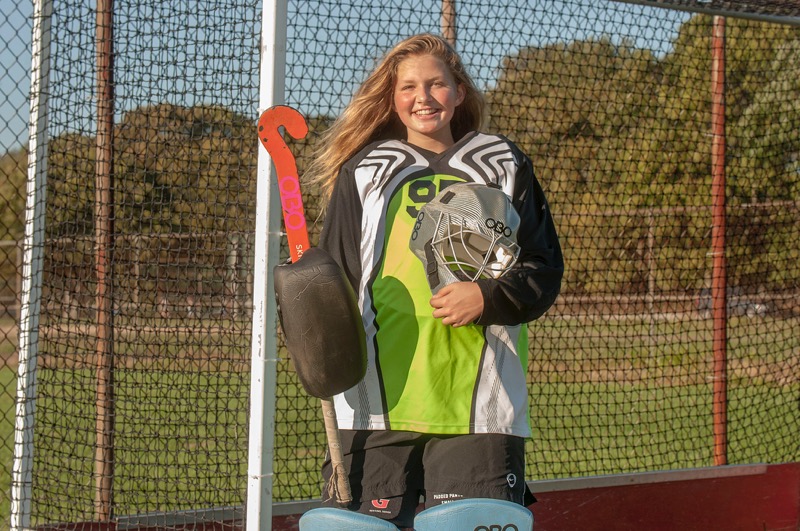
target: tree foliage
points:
(176, 170)
(13, 166)
(621, 139)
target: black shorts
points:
(390, 470)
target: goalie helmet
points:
(468, 231)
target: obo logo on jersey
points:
(292, 202)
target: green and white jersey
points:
(424, 376)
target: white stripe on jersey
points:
(487, 156)
(498, 411)
(375, 193)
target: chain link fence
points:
(613, 102)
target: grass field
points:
(607, 400)
(8, 380)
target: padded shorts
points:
(390, 470)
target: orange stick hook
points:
(294, 218)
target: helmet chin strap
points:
(433, 269)
(504, 259)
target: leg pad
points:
(479, 514)
(330, 519)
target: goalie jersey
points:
(424, 376)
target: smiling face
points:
(425, 98)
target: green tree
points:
(572, 107)
(13, 166)
(621, 141)
(69, 210)
(765, 136)
(764, 168)
(13, 174)
(185, 170)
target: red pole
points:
(719, 268)
(104, 241)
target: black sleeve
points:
(531, 286)
(341, 232)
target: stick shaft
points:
(339, 480)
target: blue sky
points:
(15, 64)
(328, 54)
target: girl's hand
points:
(458, 304)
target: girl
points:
(442, 411)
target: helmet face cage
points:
(467, 232)
(472, 252)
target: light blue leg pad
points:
(478, 514)
(330, 519)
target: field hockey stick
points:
(297, 235)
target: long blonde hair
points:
(369, 115)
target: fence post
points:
(104, 246)
(449, 21)
(30, 295)
(264, 343)
(719, 290)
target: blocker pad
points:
(321, 322)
